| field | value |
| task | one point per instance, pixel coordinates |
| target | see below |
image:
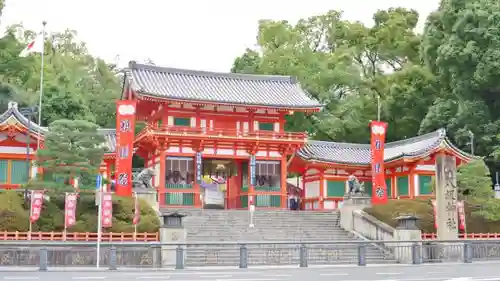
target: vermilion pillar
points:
(284, 198)
(163, 171)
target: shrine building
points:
(17, 150)
(409, 166)
(208, 134)
(219, 139)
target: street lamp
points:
(28, 112)
(471, 136)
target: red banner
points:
(36, 205)
(137, 212)
(434, 211)
(461, 215)
(379, 189)
(107, 210)
(70, 209)
(125, 124)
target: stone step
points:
(212, 226)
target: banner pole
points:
(65, 215)
(135, 211)
(99, 227)
(31, 214)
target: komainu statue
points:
(355, 187)
(143, 179)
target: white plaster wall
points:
(245, 127)
(255, 125)
(174, 149)
(224, 151)
(15, 150)
(329, 205)
(312, 172)
(170, 121)
(276, 126)
(426, 167)
(312, 189)
(193, 122)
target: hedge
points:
(422, 208)
(14, 214)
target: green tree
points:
(460, 47)
(73, 149)
(76, 84)
(474, 185)
(346, 65)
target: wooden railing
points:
(430, 236)
(223, 133)
(79, 236)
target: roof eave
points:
(312, 108)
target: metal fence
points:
(43, 255)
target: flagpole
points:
(44, 23)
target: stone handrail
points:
(370, 227)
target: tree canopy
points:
(73, 149)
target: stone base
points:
(149, 196)
(357, 200)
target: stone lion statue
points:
(355, 187)
(143, 179)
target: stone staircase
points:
(216, 226)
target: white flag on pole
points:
(35, 46)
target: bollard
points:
(243, 256)
(303, 255)
(467, 252)
(43, 259)
(416, 253)
(112, 258)
(179, 257)
(156, 257)
(361, 254)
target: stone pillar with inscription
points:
(172, 231)
(446, 201)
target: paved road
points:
(471, 272)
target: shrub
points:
(14, 214)
(422, 208)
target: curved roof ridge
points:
(334, 143)
(13, 110)
(226, 75)
(440, 133)
(360, 154)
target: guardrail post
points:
(179, 257)
(112, 258)
(303, 255)
(416, 250)
(361, 254)
(43, 259)
(156, 257)
(243, 256)
(467, 252)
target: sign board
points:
(98, 182)
(252, 170)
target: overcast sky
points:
(193, 34)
